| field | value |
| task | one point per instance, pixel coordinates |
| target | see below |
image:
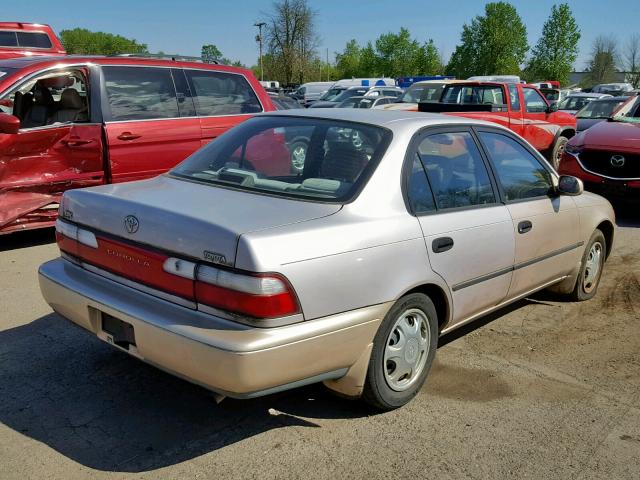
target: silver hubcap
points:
(406, 350)
(298, 155)
(592, 268)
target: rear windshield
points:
(24, 39)
(309, 158)
(473, 95)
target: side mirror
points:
(9, 124)
(568, 185)
(552, 108)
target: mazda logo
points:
(617, 161)
(131, 224)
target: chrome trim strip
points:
(513, 268)
(138, 286)
(624, 179)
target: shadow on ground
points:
(28, 238)
(111, 412)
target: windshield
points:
(352, 92)
(599, 108)
(574, 103)
(309, 158)
(422, 93)
(331, 94)
(629, 112)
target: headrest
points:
(42, 96)
(71, 99)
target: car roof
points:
(620, 98)
(589, 94)
(47, 61)
(392, 119)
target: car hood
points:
(611, 134)
(402, 106)
(185, 217)
(323, 104)
(584, 123)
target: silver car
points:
(241, 274)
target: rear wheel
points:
(557, 151)
(403, 350)
(591, 269)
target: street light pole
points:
(259, 39)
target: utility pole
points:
(259, 40)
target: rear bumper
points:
(223, 356)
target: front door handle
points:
(128, 136)
(73, 142)
(524, 226)
(442, 244)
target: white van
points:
(308, 93)
(366, 82)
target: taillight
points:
(69, 236)
(253, 295)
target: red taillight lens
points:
(257, 296)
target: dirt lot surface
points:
(544, 389)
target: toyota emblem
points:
(131, 224)
(617, 161)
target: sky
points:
(183, 26)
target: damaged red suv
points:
(606, 156)
(70, 122)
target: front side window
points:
(222, 93)
(456, 171)
(315, 159)
(533, 101)
(521, 175)
(140, 93)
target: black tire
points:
(557, 150)
(582, 292)
(377, 391)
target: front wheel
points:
(591, 268)
(557, 151)
(403, 350)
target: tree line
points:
(492, 43)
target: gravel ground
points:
(543, 389)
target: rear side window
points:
(222, 93)
(521, 175)
(457, 174)
(419, 192)
(140, 93)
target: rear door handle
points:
(442, 244)
(128, 136)
(525, 226)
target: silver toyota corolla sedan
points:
(247, 275)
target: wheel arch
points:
(439, 298)
(607, 229)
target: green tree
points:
(553, 56)
(428, 61)
(85, 42)
(348, 62)
(210, 53)
(602, 65)
(495, 43)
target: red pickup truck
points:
(19, 39)
(522, 108)
(71, 122)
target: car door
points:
(467, 231)
(48, 156)
(150, 126)
(545, 225)
(222, 99)
(539, 132)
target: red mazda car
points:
(607, 156)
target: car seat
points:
(71, 107)
(39, 112)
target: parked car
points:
(607, 155)
(249, 282)
(614, 89)
(308, 93)
(336, 95)
(575, 101)
(19, 39)
(72, 122)
(426, 91)
(597, 111)
(284, 102)
(520, 107)
(366, 102)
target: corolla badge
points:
(131, 224)
(617, 161)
